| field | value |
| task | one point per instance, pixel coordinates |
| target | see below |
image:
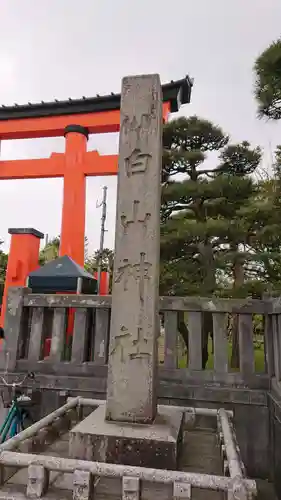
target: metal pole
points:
(102, 231)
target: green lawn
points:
(259, 359)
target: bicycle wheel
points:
(25, 419)
(15, 426)
(5, 430)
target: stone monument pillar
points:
(127, 429)
(131, 392)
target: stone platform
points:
(156, 445)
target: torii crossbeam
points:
(73, 166)
(74, 119)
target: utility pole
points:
(102, 231)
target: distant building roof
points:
(63, 267)
(176, 92)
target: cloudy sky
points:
(68, 48)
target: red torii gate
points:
(74, 119)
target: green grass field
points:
(259, 359)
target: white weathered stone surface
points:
(164, 428)
(97, 439)
(38, 481)
(181, 491)
(130, 488)
(83, 485)
(238, 491)
(131, 394)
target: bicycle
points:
(18, 415)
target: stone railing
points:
(32, 318)
(82, 371)
(20, 453)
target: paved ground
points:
(201, 454)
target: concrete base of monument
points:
(155, 445)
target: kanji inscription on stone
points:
(138, 271)
(137, 162)
(119, 343)
(122, 274)
(136, 214)
(137, 128)
(131, 387)
(127, 344)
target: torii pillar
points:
(72, 240)
(23, 259)
(74, 165)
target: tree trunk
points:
(235, 343)
(207, 329)
(182, 328)
(209, 280)
(208, 288)
(238, 280)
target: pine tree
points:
(237, 187)
(266, 221)
(268, 81)
(205, 232)
(186, 144)
(187, 231)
